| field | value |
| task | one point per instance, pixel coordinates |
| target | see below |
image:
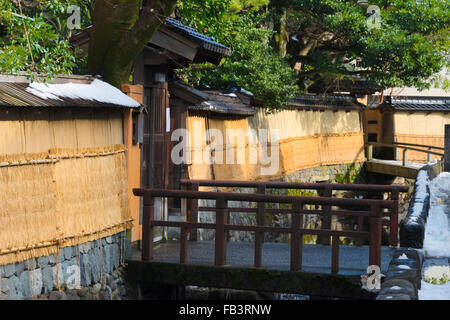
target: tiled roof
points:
(325, 101)
(205, 42)
(357, 85)
(211, 101)
(219, 102)
(419, 103)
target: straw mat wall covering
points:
(338, 142)
(60, 198)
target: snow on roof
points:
(97, 90)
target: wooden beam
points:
(392, 169)
(447, 148)
(175, 43)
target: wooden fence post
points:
(259, 236)
(396, 150)
(375, 236)
(296, 236)
(359, 241)
(447, 149)
(192, 211)
(429, 155)
(220, 248)
(183, 245)
(147, 228)
(393, 219)
(369, 152)
(335, 254)
(326, 224)
(405, 157)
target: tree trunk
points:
(122, 29)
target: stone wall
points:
(88, 264)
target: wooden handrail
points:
(261, 198)
(325, 188)
(296, 230)
(418, 145)
(294, 185)
(377, 144)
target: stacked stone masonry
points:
(96, 264)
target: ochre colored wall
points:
(133, 156)
(420, 128)
(372, 115)
(306, 139)
(62, 180)
(35, 131)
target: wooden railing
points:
(405, 146)
(365, 208)
(323, 189)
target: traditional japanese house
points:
(173, 46)
(63, 178)
(409, 116)
(313, 131)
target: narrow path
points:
(436, 244)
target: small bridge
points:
(400, 166)
(327, 269)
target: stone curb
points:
(412, 228)
(403, 277)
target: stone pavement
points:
(353, 260)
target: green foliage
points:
(443, 280)
(352, 175)
(410, 46)
(252, 65)
(207, 16)
(47, 30)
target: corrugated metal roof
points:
(419, 103)
(206, 42)
(16, 94)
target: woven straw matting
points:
(62, 198)
(295, 153)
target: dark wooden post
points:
(393, 232)
(147, 228)
(359, 241)
(259, 236)
(375, 236)
(335, 254)
(296, 236)
(220, 251)
(192, 211)
(447, 149)
(326, 224)
(183, 245)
